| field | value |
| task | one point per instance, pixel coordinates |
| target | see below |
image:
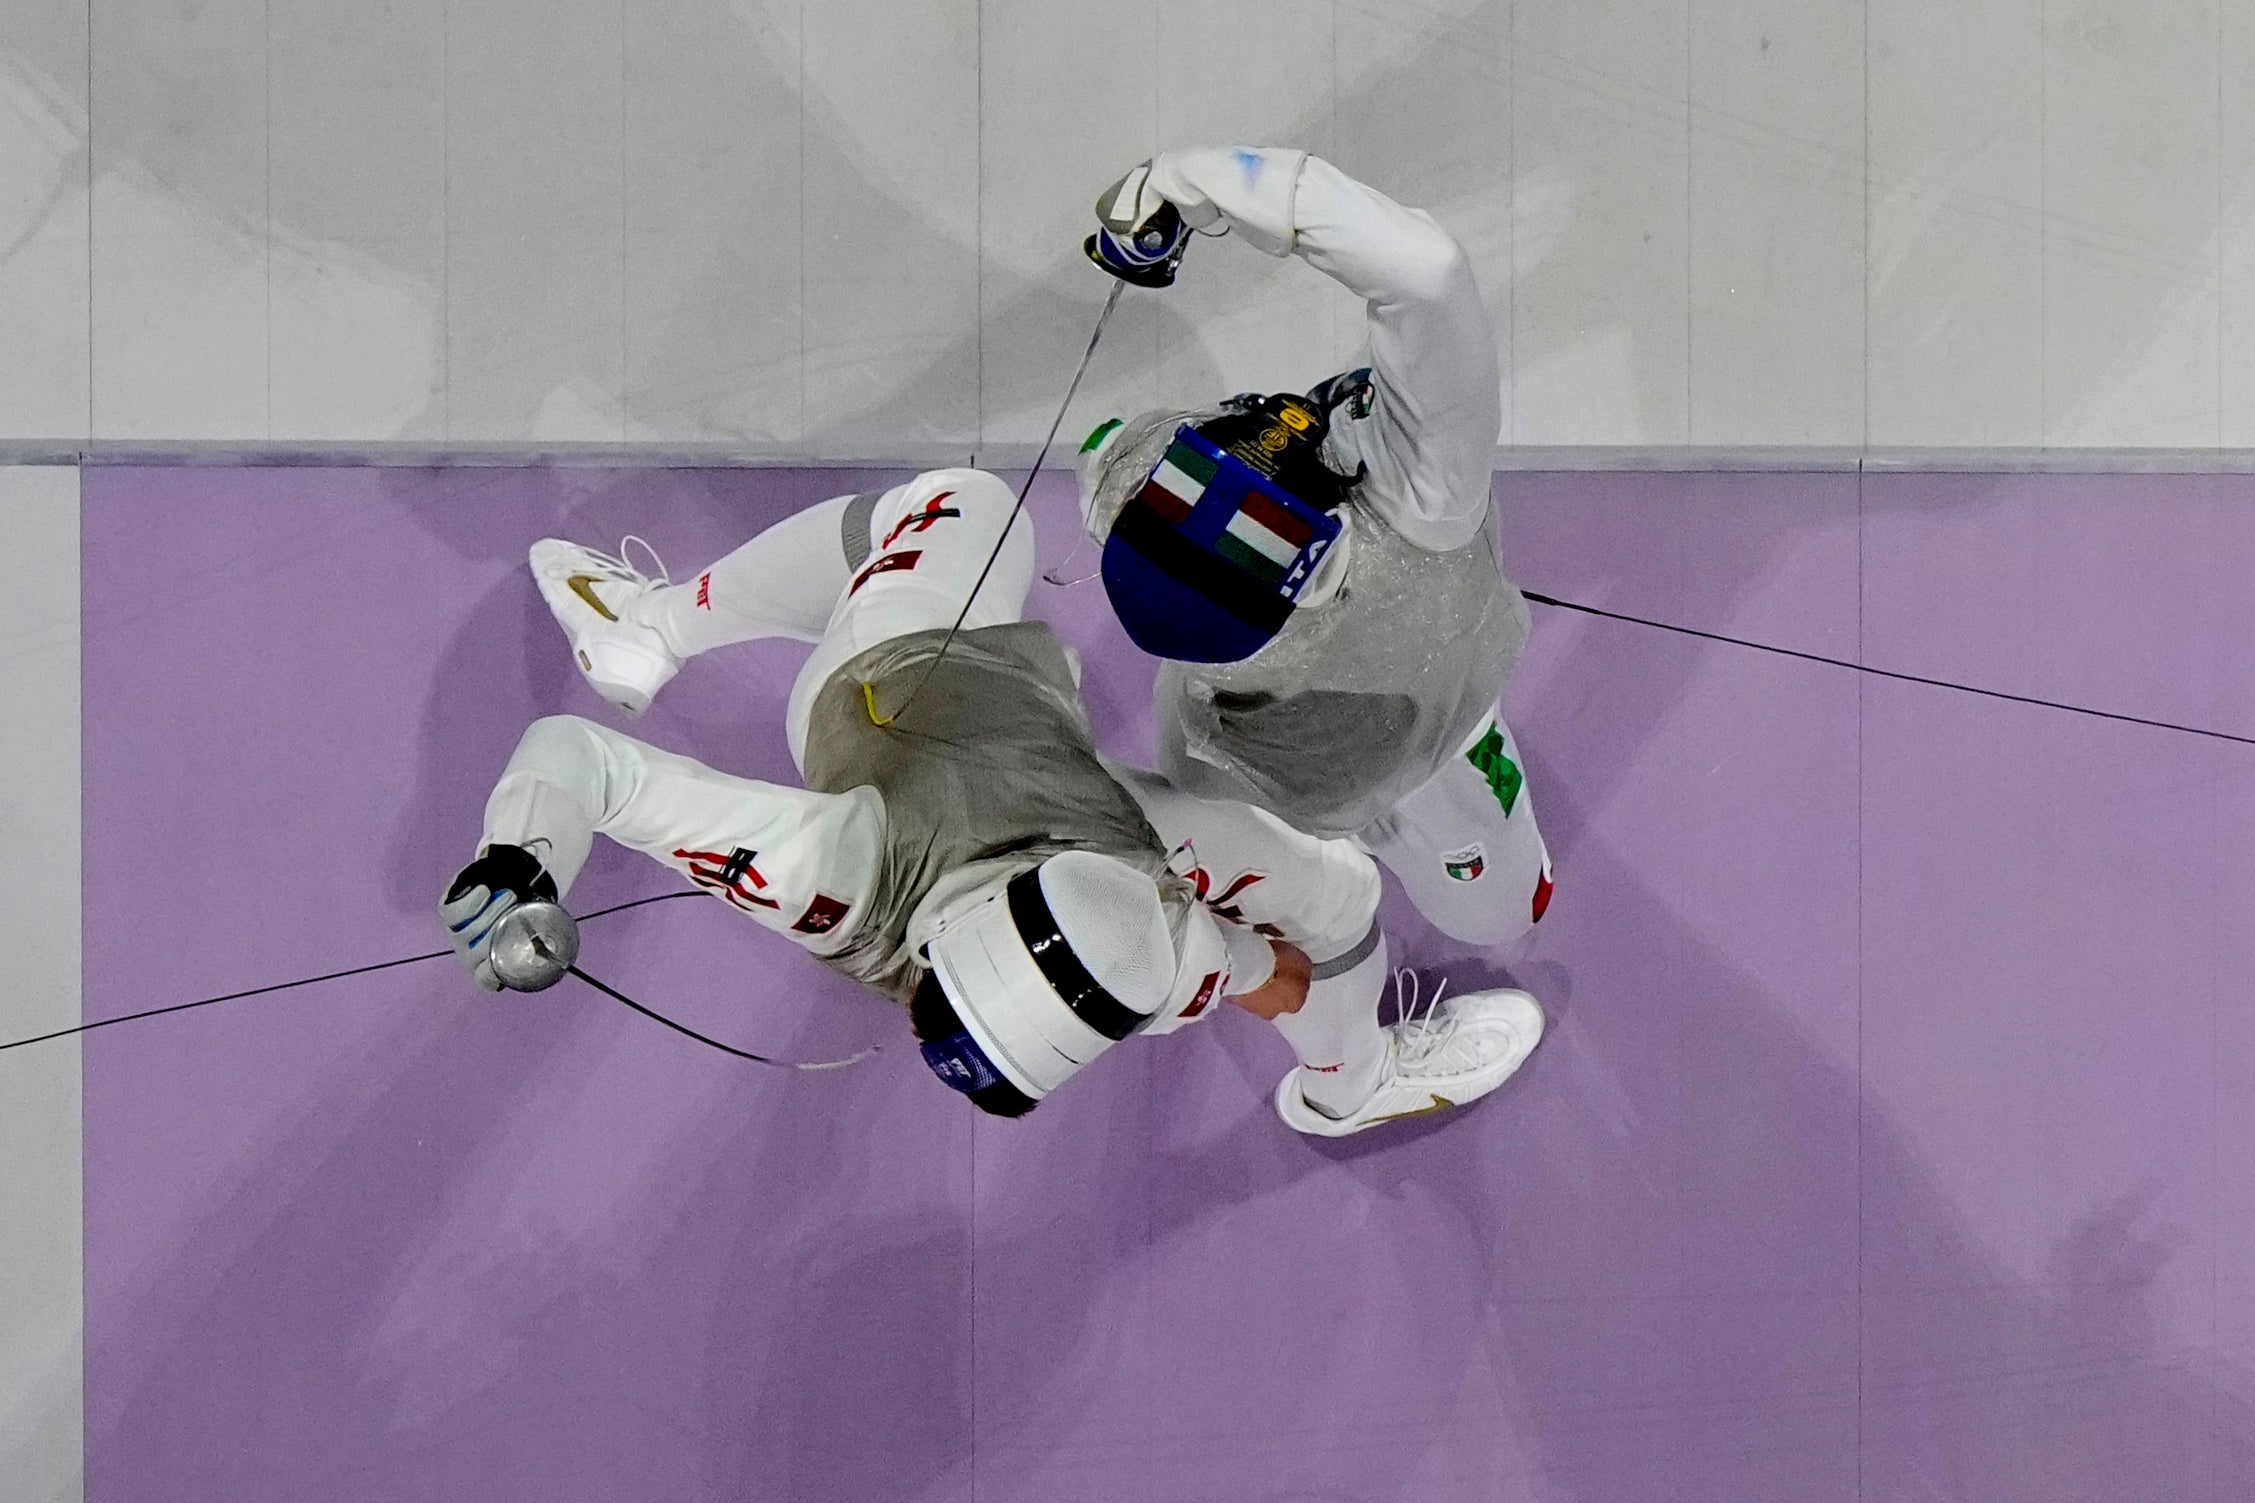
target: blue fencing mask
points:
(1207, 559)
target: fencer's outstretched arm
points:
(795, 860)
(1429, 442)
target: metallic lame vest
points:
(1357, 701)
(992, 761)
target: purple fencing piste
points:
(1890, 1140)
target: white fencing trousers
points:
(1253, 869)
(1465, 845)
(855, 571)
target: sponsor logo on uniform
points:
(907, 558)
(822, 915)
(1465, 865)
(921, 521)
(1206, 990)
(705, 591)
(732, 876)
(1495, 764)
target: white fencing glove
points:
(1140, 237)
(502, 877)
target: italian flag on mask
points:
(1263, 537)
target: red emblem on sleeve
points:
(822, 915)
(1206, 990)
(728, 875)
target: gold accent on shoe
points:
(583, 585)
(1440, 1104)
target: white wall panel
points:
(1956, 274)
(1059, 124)
(179, 328)
(2236, 252)
(535, 220)
(43, 242)
(1423, 113)
(1599, 334)
(850, 229)
(2130, 223)
(42, 1417)
(712, 161)
(1248, 73)
(357, 205)
(1777, 222)
(891, 203)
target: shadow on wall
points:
(721, 391)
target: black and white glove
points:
(1140, 237)
(502, 877)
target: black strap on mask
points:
(1063, 970)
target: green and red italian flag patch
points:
(1262, 537)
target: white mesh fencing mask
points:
(1054, 967)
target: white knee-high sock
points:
(783, 583)
(1336, 1034)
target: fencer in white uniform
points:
(960, 846)
(1339, 642)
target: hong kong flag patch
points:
(822, 915)
(1206, 990)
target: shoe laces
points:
(1421, 1038)
(656, 574)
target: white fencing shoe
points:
(592, 596)
(1450, 1055)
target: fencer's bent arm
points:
(570, 779)
(1429, 443)
(1285, 990)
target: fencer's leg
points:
(630, 632)
(1254, 870)
(1335, 1033)
(1466, 847)
(783, 583)
(928, 542)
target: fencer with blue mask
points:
(1319, 571)
(959, 844)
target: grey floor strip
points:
(42, 1305)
